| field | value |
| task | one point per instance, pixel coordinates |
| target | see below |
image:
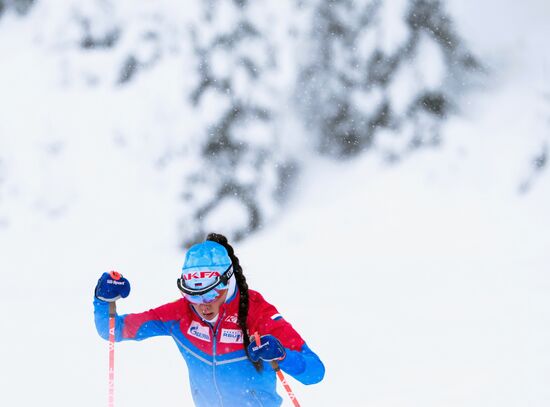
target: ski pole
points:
(280, 375)
(112, 315)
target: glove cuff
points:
(105, 299)
(108, 299)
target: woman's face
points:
(210, 311)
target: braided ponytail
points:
(243, 292)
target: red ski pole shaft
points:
(112, 315)
(280, 374)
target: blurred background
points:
(380, 166)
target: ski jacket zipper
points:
(214, 331)
(256, 398)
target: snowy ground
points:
(423, 284)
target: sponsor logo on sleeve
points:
(199, 331)
(231, 336)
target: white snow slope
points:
(422, 284)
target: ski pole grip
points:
(115, 275)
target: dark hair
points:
(243, 292)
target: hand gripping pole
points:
(280, 375)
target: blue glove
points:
(270, 349)
(112, 286)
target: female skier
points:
(212, 325)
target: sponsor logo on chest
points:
(231, 336)
(232, 318)
(199, 331)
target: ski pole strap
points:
(280, 375)
(112, 309)
(112, 315)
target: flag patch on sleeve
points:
(276, 317)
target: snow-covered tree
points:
(244, 172)
(381, 74)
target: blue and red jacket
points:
(220, 374)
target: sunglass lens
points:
(206, 298)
